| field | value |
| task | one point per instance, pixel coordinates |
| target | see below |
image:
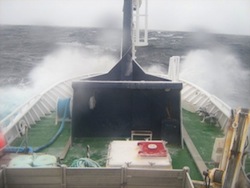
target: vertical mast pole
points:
(127, 64)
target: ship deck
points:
(202, 135)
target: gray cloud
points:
(224, 16)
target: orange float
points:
(2, 141)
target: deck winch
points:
(126, 98)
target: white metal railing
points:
(94, 177)
(35, 108)
(140, 21)
(194, 98)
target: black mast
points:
(127, 43)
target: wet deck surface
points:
(194, 153)
(45, 129)
(42, 132)
(202, 135)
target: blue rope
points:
(12, 149)
(64, 105)
(63, 110)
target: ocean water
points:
(32, 58)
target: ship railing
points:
(14, 124)
(195, 98)
(94, 177)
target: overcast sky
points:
(217, 16)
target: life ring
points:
(22, 125)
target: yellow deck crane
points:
(230, 173)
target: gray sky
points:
(218, 16)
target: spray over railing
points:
(26, 115)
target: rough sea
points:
(32, 58)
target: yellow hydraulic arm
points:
(227, 175)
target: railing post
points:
(4, 176)
(64, 178)
(123, 177)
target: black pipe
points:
(127, 63)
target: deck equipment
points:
(126, 98)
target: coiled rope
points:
(84, 162)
